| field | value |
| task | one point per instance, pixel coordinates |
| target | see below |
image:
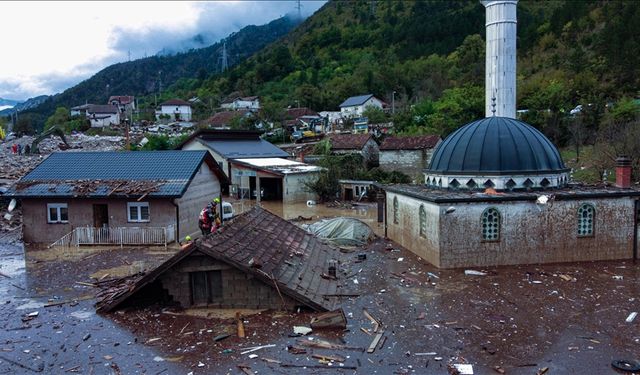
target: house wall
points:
(171, 110)
(370, 152)
(35, 228)
(113, 119)
(222, 162)
(411, 162)
(239, 290)
(529, 233)
(358, 110)
(407, 231)
(295, 190)
(204, 187)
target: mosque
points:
(497, 191)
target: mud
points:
(567, 317)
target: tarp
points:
(344, 231)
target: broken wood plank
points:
(376, 323)
(291, 365)
(270, 360)
(374, 343)
(335, 358)
(240, 324)
(4, 275)
(257, 348)
(331, 319)
(245, 369)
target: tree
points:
(375, 115)
(24, 125)
(59, 118)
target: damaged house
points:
(257, 261)
(132, 198)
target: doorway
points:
(206, 286)
(100, 215)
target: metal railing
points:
(121, 236)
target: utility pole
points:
(224, 59)
(299, 8)
(393, 103)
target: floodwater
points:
(569, 318)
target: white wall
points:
(171, 110)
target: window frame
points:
(58, 207)
(580, 218)
(138, 206)
(422, 215)
(499, 224)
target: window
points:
(395, 210)
(423, 221)
(57, 213)
(138, 212)
(491, 225)
(206, 286)
(586, 216)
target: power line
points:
(299, 8)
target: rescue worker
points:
(204, 221)
(215, 216)
(187, 242)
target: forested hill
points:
(143, 76)
(432, 54)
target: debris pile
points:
(112, 289)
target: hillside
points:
(431, 53)
(144, 76)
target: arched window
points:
(395, 210)
(490, 225)
(586, 217)
(423, 221)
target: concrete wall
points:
(239, 290)
(35, 228)
(295, 190)
(203, 189)
(410, 162)
(528, 233)
(407, 231)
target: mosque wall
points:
(528, 233)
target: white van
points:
(227, 211)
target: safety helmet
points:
(216, 200)
(187, 238)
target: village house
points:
(174, 110)
(257, 261)
(125, 103)
(80, 110)
(254, 165)
(356, 105)
(251, 103)
(102, 116)
(276, 179)
(143, 197)
(361, 144)
(409, 155)
(224, 120)
(497, 191)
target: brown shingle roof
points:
(224, 118)
(177, 102)
(122, 99)
(420, 142)
(348, 141)
(270, 241)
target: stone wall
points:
(529, 233)
(407, 230)
(239, 290)
(410, 162)
(295, 190)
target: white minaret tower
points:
(500, 77)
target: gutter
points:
(636, 207)
(173, 202)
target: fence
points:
(117, 236)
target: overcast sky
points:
(50, 46)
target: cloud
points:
(83, 38)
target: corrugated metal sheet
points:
(237, 149)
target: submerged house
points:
(144, 197)
(257, 261)
(361, 144)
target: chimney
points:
(623, 172)
(500, 63)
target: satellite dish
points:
(12, 205)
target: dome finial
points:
(493, 105)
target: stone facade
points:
(410, 162)
(528, 233)
(236, 288)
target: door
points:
(206, 287)
(348, 194)
(100, 215)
